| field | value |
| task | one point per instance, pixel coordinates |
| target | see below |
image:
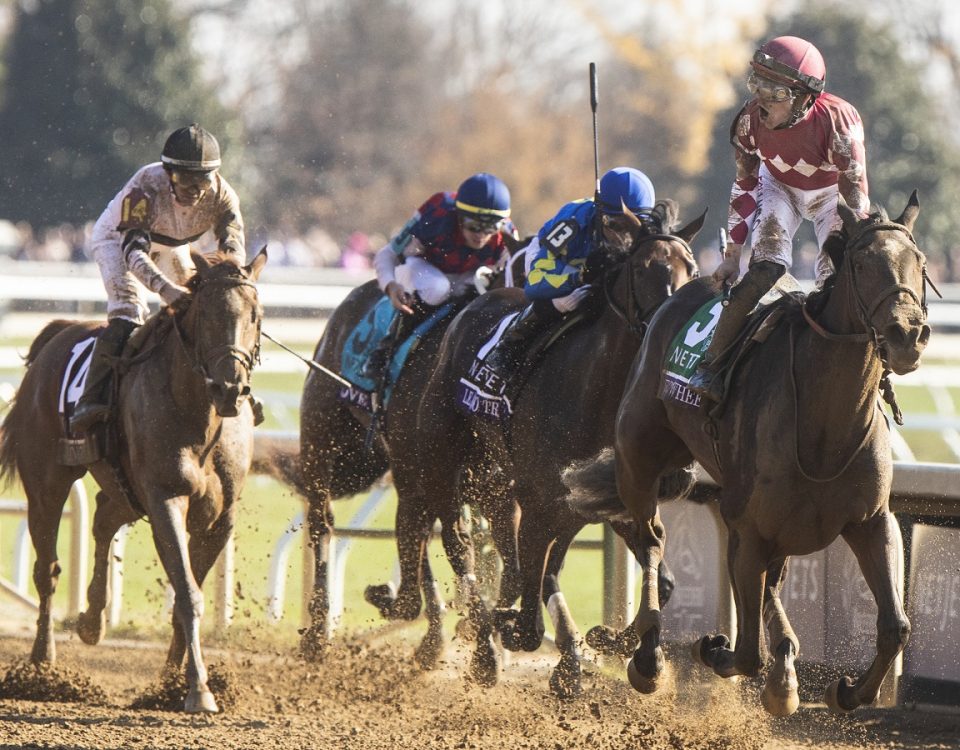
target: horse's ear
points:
(514, 243)
(634, 219)
(690, 230)
(256, 265)
(835, 246)
(848, 216)
(909, 215)
(200, 261)
(667, 212)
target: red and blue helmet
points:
(484, 198)
(626, 186)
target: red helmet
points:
(792, 61)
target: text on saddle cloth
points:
(685, 352)
(364, 339)
(75, 376)
(481, 392)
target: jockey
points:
(437, 253)
(796, 148)
(142, 240)
(570, 251)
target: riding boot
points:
(758, 280)
(507, 352)
(92, 407)
(400, 329)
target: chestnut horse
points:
(801, 451)
(184, 438)
(564, 411)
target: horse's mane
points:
(835, 246)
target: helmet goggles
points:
(768, 90)
(480, 225)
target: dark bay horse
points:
(802, 453)
(185, 442)
(564, 411)
(337, 460)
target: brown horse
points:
(801, 451)
(184, 443)
(564, 411)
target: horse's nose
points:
(913, 338)
(226, 397)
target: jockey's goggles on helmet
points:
(189, 179)
(769, 91)
(478, 226)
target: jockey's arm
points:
(229, 233)
(136, 256)
(551, 277)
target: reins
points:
(636, 322)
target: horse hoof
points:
(640, 682)
(200, 702)
(382, 596)
(484, 665)
(838, 696)
(90, 627)
(704, 650)
(428, 652)
(604, 640)
(779, 704)
(313, 644)
(565, 681)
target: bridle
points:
(635, 318)
(204, 361)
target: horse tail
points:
(8, 446)
(592, 485)
(50, 330)
(272, 458)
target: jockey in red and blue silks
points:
(436, 255)
(562, 258)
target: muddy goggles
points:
(477, 226)
(769, 91)
(187, 179)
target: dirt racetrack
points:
(368, 694)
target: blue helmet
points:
(484, 198)
(631, 186)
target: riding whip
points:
(309, 362)
(594, 100)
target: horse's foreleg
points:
(316, 636)
(107, 520)
(430, 648)
(414, 527)
(524, 630)
(747, 572)
(780, 690)
(879, 549)
(168, 522)
(565, 679)
(485, 664)
(647, 663)
(504, 519)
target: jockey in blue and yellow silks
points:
(569, 252)
(435, 256)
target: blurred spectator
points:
(357, 254)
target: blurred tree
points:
(907, 145)
(92, 89)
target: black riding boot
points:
(507, 352)
(402, 326)
(92, 406)
(757, 281)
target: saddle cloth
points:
(481, 392)
(365, 337)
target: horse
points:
(184, 442)
(564, 410)
(811, 388)
(337, 459)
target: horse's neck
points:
(838, 377)
(187, 385)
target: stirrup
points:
(87, 416)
